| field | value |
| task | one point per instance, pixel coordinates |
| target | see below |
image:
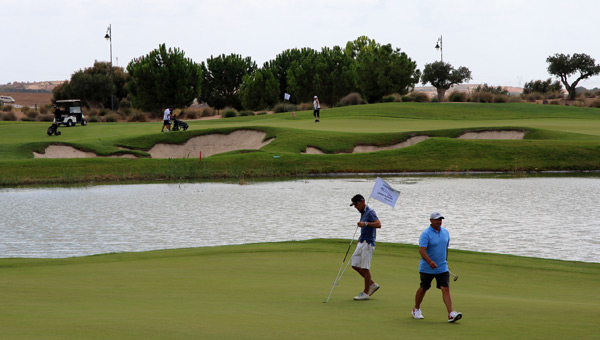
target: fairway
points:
(276, 291)
(556, 138)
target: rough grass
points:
(276, 290)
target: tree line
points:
(167, 77)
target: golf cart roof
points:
(68, 101)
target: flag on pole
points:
(286, 96)
(383, 192)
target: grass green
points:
(558, 138)
(276, 290)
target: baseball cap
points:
(315, 97)
(436, 215)
(357, 198)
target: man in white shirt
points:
(167, 119)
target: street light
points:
(108, 37)
(439, 47)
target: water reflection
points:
(541, 217)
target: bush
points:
(207, 112)
(229, 113)
(43, 109)
(482, 97)
(111, 118)
(9, 116)
(500, 98)
(7, 108)
(93, 119)
(457, 97)
(246, 113)
(46, 117)
(138, 117)
(281, 107)
(353, 98)
(595, 103)
(406, 98)
(306, 106)
(32, 114)
(388, 99)
(418, 97)
(25, 109)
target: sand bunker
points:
(505, 134)
(66, 151)
(211, 144)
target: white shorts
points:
(362, 255)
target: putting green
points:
(276, 291)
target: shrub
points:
(457, 96)
(388, 99)
(191, 114)
(281, 107)
(9, 116)
(500, 98)
(7, 108)
(138, 117)
(482, 97)
(93, 119)
(246, 113)
(207, 112)
(228, 113)
(406, 98)
(111, 118)
(353, 98)
(46, 117)
(419, 97)
(595, 103)
(43, 109)
(32, 114)
(306, 106)
(25, 109)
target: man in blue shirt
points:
(433, 247)
(361, 259)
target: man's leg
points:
(447, 298)
(366, 274)
(419, 297)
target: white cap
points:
(315, 97)
(436, 215)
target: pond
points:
(548, 217)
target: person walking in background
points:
(361, 259)
(433, 247)
(167, 119)
(317, 110)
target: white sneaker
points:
(416, 313)
(373, 288)
(361, 296)
(454, 316)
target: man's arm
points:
(374, 224)
(423, 252)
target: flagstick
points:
(338, 278)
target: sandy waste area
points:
(213, 144)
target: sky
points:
(502, 42)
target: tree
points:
(442, 76)
(222, 79)
(564, 66)
(260, 90)
(163, 78)
(301, 75)
(94, 85)
(542, 86)
(279, 68)
(335, 75)
(381, 69)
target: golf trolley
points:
(177, 124)
(53, 130)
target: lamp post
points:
(439, 47)
(108, 37)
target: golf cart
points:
(68, 112)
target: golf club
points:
(454, 277)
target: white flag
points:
(286, 96)
(383, 192)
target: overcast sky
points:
(502, 42)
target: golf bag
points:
(177, 124)
(53, 129)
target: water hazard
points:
(542, 217)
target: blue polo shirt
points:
(368, 233)
(436, 244)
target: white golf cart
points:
(68, 112)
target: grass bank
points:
(558, 138)
(275, 291)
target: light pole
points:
(108, 37)
(439, 47)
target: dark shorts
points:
(166, 122)
(442, 280)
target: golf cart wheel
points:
(49, 132)
(57, 133)
(70, 123)
(185, 128)
(84, 122)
